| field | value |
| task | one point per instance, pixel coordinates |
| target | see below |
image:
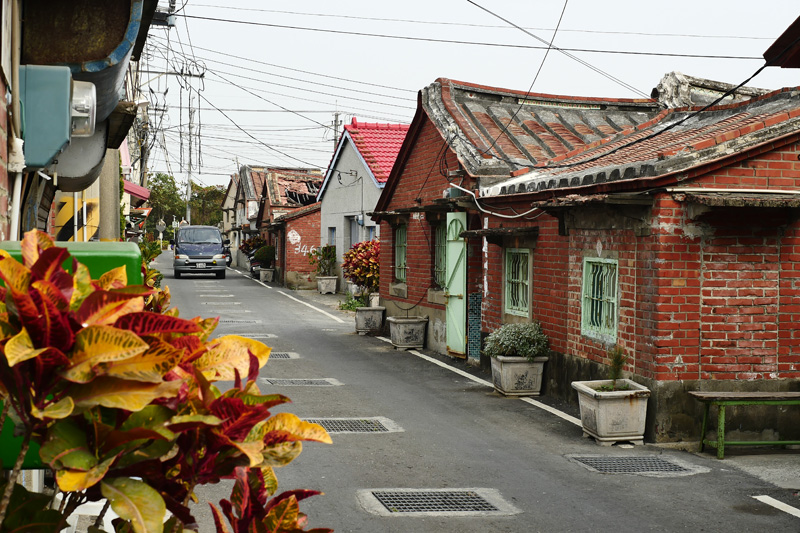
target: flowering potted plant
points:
(361, 266)
(613, 409)
(518, 352)
(323, 259)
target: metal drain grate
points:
(435, 502)
(325, 382)
(377, 424)
(424, 501)
(631, 465)
(237, 321)
(280, 355)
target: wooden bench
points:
(724, 399)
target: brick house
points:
(353, 183)
(296, 234)
(659, 225)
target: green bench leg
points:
(721, 432)
(704, 428)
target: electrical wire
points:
(536, 77)
(487, 26)
(250, 60)
(472, 43)
(564, 52)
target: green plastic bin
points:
(99, 257)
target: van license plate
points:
(201, 265)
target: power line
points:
(472, 43)
(488, 26)
(562, 50)
(383, 95)
(302, 71)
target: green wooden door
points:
(456, 287)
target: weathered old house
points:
(663, 226)
(354, 181)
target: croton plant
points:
(119, 394)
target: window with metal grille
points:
(400, 253)
(599, 298)
(517, 285)
(332, 235)
(440, 255)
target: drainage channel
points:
(474, 502)
(375, 424)
(643, 465)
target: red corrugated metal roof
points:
(378, 144)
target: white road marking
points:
(336, 318)
(777, 504)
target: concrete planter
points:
(266, 274)
(326, 284)
(612, 416)
(516, 376)
(407, 332)
(369, 320)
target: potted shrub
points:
(323, 259)
(518, 353)
(118, 394)
(360, 265)
(265, 258)
(613, 409)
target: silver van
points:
(199, 250)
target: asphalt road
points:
(449, 430)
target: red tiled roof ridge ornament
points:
(355, 125)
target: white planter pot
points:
(612, 416)
(516, 376)
(369, 320)
(407, 332)
(326, 284)
(266, 274)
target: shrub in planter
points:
(122, 404)
(518, 353)
(323, 260)
(265, 256)
(361, 265)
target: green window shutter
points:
(516, 281)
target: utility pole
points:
(189, 171)
(335, 130)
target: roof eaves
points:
(693, 156)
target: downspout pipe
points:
(16, 129)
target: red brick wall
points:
(306, 228)
(716, 296)
(421, 180)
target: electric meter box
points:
(45, 93)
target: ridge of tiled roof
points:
(495, 131)
(707, 135)
(378, 143)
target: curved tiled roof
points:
(378, 144)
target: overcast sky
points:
(272, 80)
